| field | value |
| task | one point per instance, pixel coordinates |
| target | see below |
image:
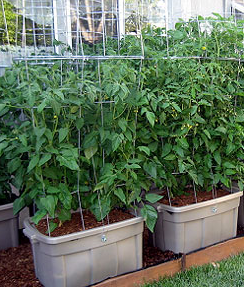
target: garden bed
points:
(17, 269)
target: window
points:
(38, 22)
(26, 23)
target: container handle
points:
(29, 234)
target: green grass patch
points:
(226, 273)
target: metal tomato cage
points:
(50, 30)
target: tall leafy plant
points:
(109, 132)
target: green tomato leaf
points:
(193, 175)
(122, 124)
(39, 215)
(14, 164)
(33, 162)
(166, 149)
(41, 107)
(151, 118)
(102, 208)
(170, 156)
(52, 227)
(69, 162)
(100, 186)
(153, 197)
(3, 145)
(228, 164)
(39, 132)
(132, 166)
(2, 106)
(230, 148)
(65, 198)
(33, 193)
(183, 142)
(64, 215)
(199, 119)
(181, 166)
(179, 151)
(18, 205)
(44, 159)
(207, 134)
(23, 140)
(150, 215)
(79, 123)
(120, 194)
(49, 203)
(221, 129)
(217, 157)
(240, 119)
(144, 149)
(151, 169)
(63, 132)
(194, 110)
(117, 140)
(204, 103)
(90, 151)
(53, 190)
(230, 171)
(176, 107)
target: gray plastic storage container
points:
(8, 227)
(86, 257)
(235, 188)
(188, 228)
(241, 213)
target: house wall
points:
(207, 7)
(186, 9)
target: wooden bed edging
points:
(210, 254)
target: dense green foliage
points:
(6, 136)
(139, 123)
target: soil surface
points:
(74, 225)
(189, 197)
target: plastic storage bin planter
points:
(188, 228)
(8, 227)
(84, 258)
(241, 212)
(240, 220)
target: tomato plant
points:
(107, 131)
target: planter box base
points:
(83, 258)
(8, 227)
(188, 228)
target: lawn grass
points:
(226, 273)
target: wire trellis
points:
(88, 27)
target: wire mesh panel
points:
(87, 27)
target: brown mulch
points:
(189, 197)
(17, 268)
(153, 255)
